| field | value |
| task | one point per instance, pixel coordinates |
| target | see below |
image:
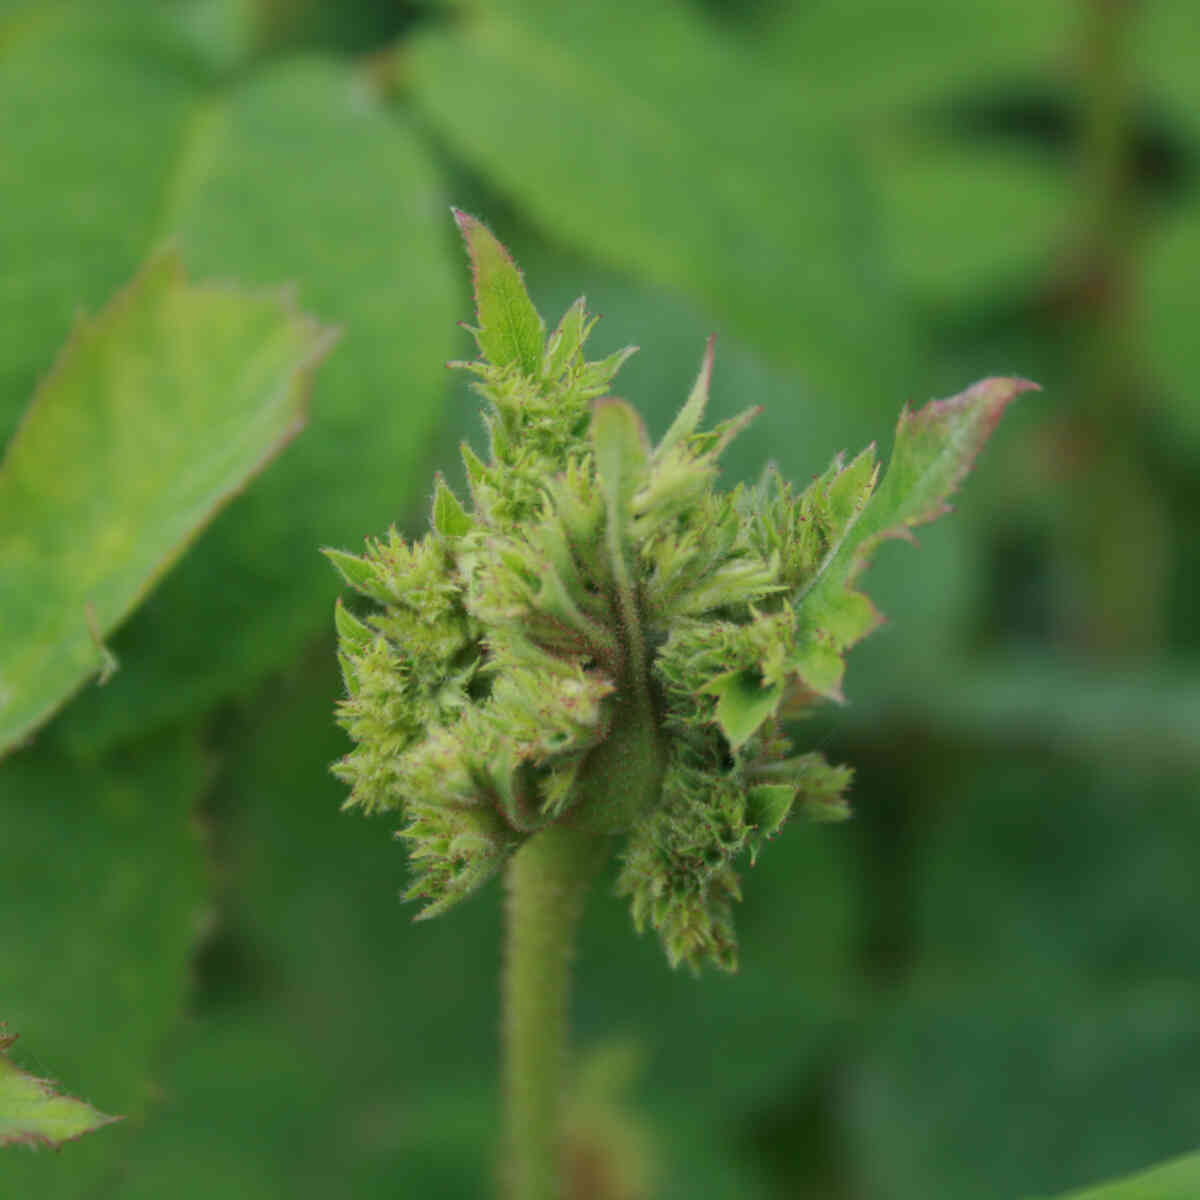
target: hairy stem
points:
(547, 881)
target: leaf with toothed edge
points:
(33, 1113)
(158, 412)
(510, 330)
(935, 448)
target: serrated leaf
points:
(510, 329)
(245, 203)
(158, 411)
(743, 704)
(934, 449)
(33, 1113)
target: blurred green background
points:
(988, 983)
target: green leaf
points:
(934, 449)
(105, 863)
(95, 99)
(1171, 263)
(744, 702)
(680, 186)
(159, 410)
(310, 931)
(510, 330)
(1177, 1180)
(32, 1113)
(246, 202)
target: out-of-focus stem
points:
(547, 881)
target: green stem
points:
(547, 881)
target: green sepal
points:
(819, 787)
(476, 470)
(353, 635)
(767, 807)
(358, 572)
(567, 340)
(510, 330)
(621, 448)
(743, 704)
(688, 417)
(594, 377)
(450, 519)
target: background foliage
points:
(986, 985)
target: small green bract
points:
(604, 638)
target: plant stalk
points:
(547, 881)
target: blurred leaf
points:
(1172, 264)
(1054, 994)
(1167, 35)
(719, 1045)
(680, 181)
(32, 1113)
(158, 411)
(1179, 1180)
(338, 1047)
(964, 1070)
(102, 894)
(296, 173)
(869, 61)
(967, 223)
(96, 97)
(1131, 716)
